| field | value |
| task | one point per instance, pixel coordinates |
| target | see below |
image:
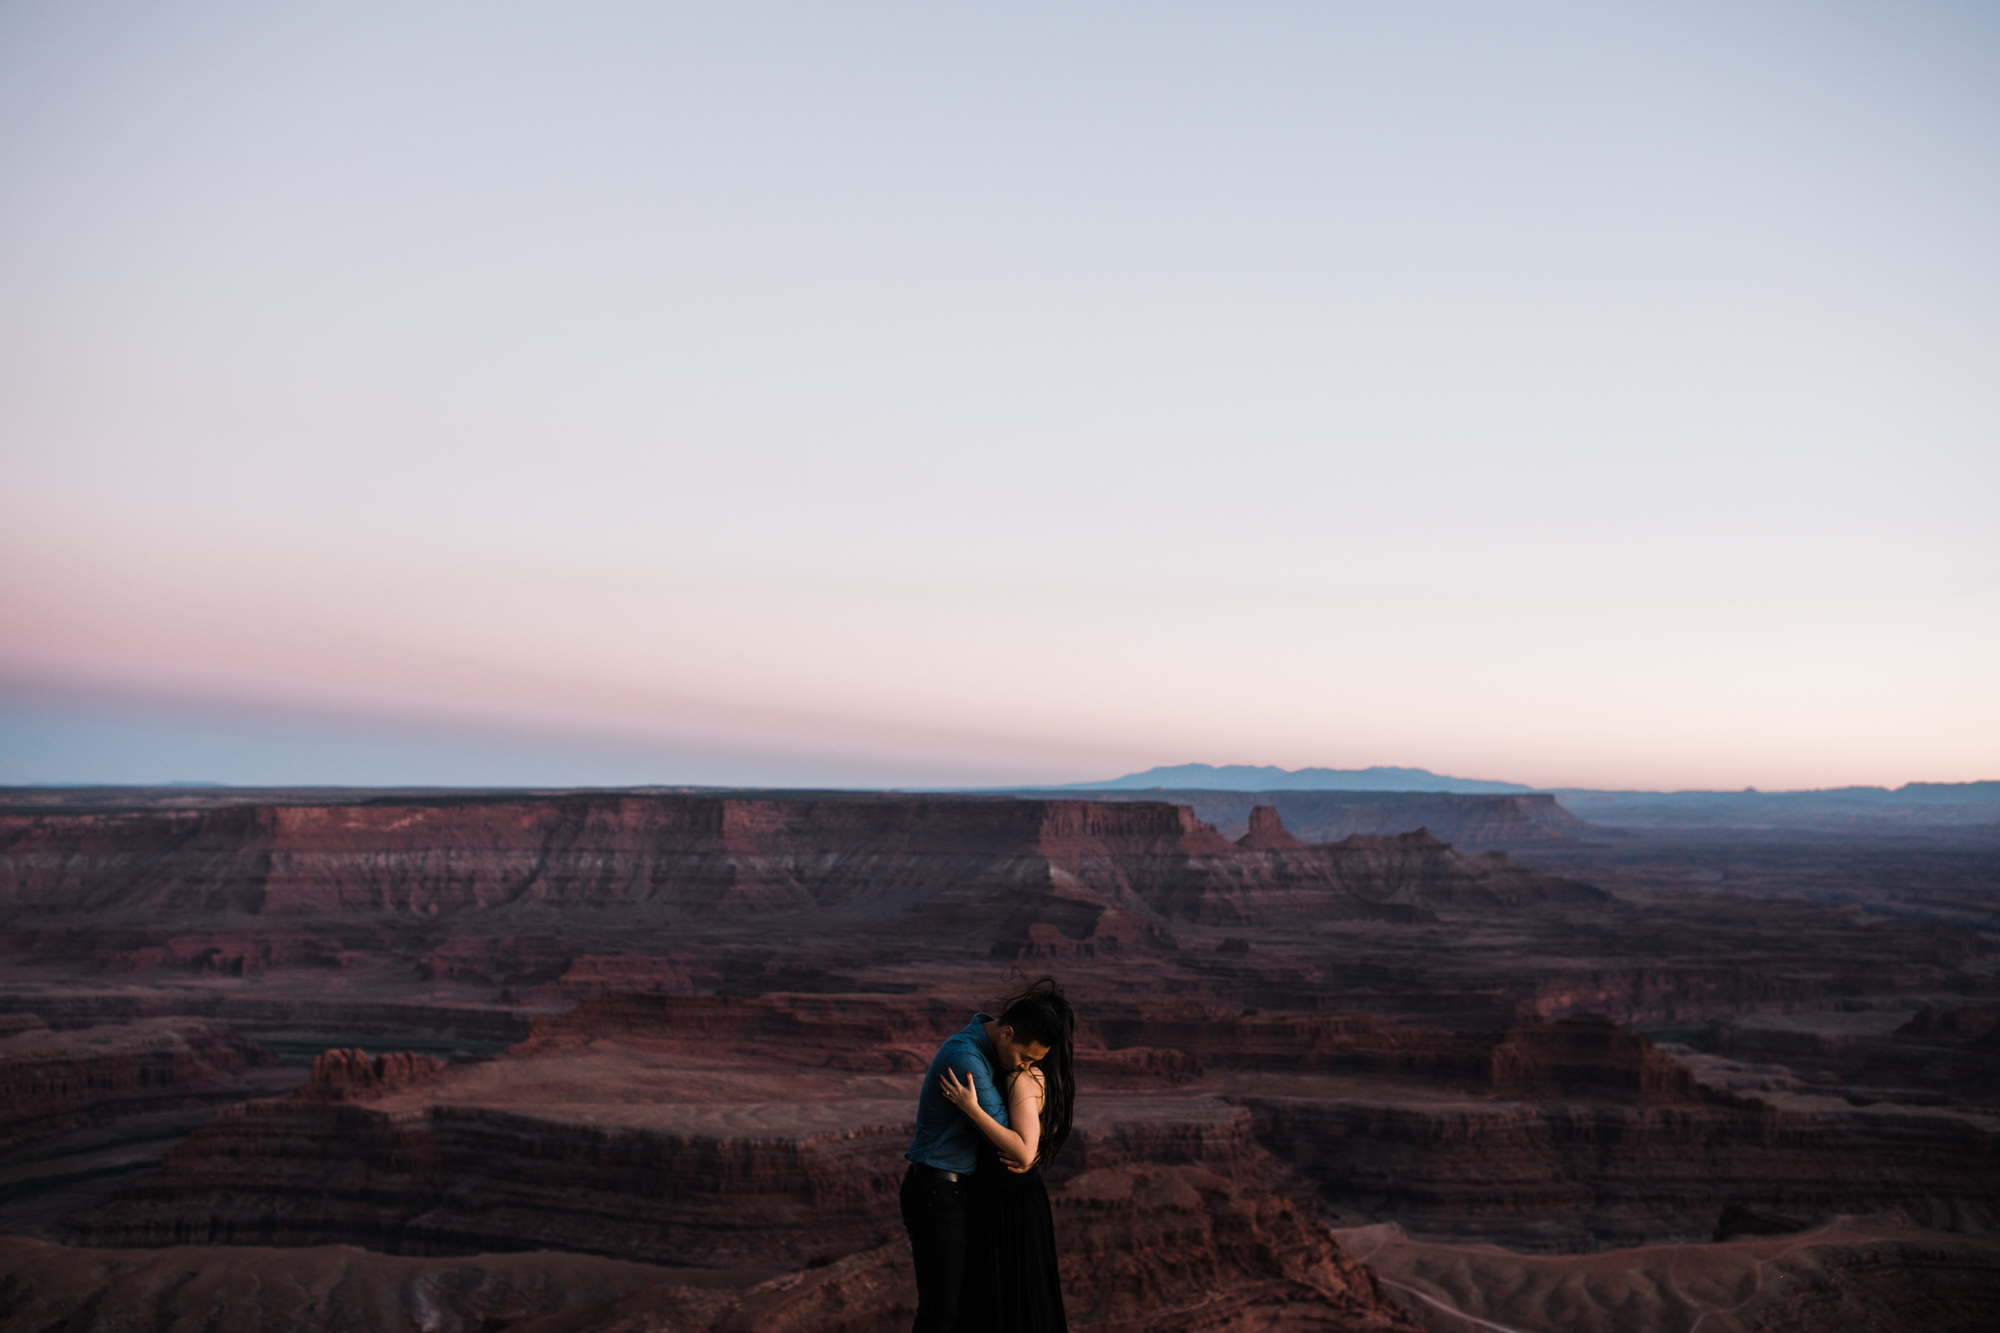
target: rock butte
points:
(635, 1060)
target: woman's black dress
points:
(1011, 1284)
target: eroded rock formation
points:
(684, 1029)
(349, 1075)
(1475, 823)
(330, 1289)
(997, 865)
(53, 1081)
(1161, 1247)
(727, 1132)
(1874, 1273)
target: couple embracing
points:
(995, 1106)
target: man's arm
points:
(990, 1100)
(970, 1065)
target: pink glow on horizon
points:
(1598, 400)
(1021, 717)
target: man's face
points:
(1015, 1054)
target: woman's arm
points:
(1024, 1108)
(1010, 1143)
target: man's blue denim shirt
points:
(946, 1137)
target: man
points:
(944, 1154)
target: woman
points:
(1011, 1283)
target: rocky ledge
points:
(725, 1134)
(53, 1081)
(995, 864)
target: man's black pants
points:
(936, 1214)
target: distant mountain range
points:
(1913, 805)
(1252, 777)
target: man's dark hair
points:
(1041, 1016)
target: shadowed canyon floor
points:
(647, 1060)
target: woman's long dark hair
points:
(1041, 1014)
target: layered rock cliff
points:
(329, 1289)
(992, 865)
(1881, 1274)
(54, 1081)
(724, 1134)
(1144, 1249)
(729, 1133)
(1157, 1248)
(1557, 1174)
(1477, 823)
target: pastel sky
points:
(1598, 395)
